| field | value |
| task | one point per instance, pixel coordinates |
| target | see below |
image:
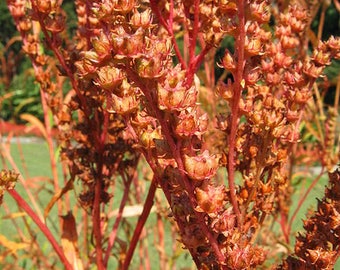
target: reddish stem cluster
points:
(131, 97)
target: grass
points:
(36, 168)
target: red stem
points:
(159, 15)
(239, 47)
(97, 225)
(194, 33)
(160, 244)
(195, 63)
(175, 149)
(43, 228)
(140, 224)
(113, 234)
(51, 43)
(302, 199)
(283, 225)
(49, 140)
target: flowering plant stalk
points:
(137, 92)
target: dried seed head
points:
(228, 61)
(122, 105)
(127, 45)
(45, 7)
(8, 180)
(142, 19)
(334, 43)
(260, 11)
(149, 136)
(176, 98)
(56, 24)
(253, 46)
(210, 199)
(149, 68)
(109, 78)
(311, 70)
(225, 90)
(321, 56)
(102, 46)
(188, 123)
(202, 166)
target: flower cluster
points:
(130, 97)
(323, 226)
(274, 95)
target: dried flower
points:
(8, 180)
(201, 167)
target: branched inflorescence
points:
(130, 94)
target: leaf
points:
(22, 104)
(13, 247)
(69, 239)
(34, 121)
(130, 211)
(6, 96)
(57, 196)
(15, 215)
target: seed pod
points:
(210, 199)
(202, 166)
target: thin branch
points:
(239, 45)
(114, 231)
(168, 27)
(140, 224)
(43, 228)
(303, 199)
(97, 224)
